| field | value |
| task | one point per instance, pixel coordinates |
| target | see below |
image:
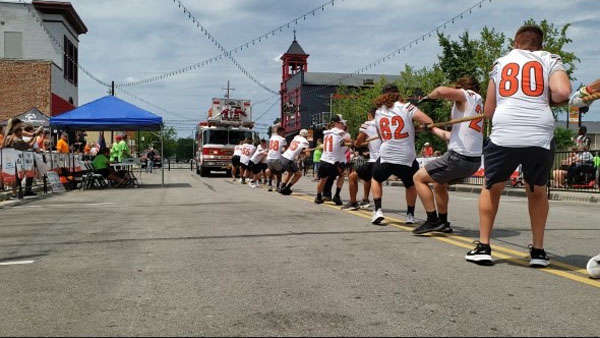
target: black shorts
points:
(245, 166)
(235, 161)
(383, 171)
(104, 172)
(500, 162)
(365, 172)
(328, 170)
(289, 166)
(257, 168)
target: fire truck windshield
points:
(214, 137)
(221, 136)
(236, 136)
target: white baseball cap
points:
(303, 132)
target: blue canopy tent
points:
(109, 113)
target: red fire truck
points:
(229, 122)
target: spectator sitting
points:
(560, 175)
(101, 165)
(427, 150)
(94, 150)
(582, 161)
(582, 139)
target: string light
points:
(234, 51)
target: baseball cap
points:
(303, 132)
(338, 118)
(426, 143)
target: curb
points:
(16, 203)
(554, 196)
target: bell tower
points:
(295, 60)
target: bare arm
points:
(443, 134)
(490, 101)
(560, 87)
(422, 117)
(360, 140)
(448, 93)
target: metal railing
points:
(571, 171)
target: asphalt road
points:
(205, 256)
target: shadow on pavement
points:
(166, 186)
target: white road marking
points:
(17, 263)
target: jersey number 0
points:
(509, 84)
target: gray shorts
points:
(275, 166)
(289, 166)
(452, 167)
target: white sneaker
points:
(410, 219)
(377, 217)
(253, 185)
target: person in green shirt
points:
(317, 158)
(101, 165)
(114, 150)
(123, 149)
(597, 160)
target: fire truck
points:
(229, 122)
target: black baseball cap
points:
(336, 118)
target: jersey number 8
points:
(386, 131)
(509, 84)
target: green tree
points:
(152, 138)
(184, 149)
(563, 138)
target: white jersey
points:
(276, 145)
(523, 117)
(467, 138)
(298, 144)
(397, 133)
(369, 128)
(247, 152)
(237, 150)
(260, 155)
(333, 147)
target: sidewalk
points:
(572, 196)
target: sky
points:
(135, 39)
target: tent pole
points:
(162, 155)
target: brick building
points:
(306, 96)
(34, 71)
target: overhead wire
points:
(246, 45)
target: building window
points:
(70, 60)
(13, 45)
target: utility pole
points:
(112, 88)
(228, 90)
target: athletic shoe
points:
(326, 198)
(410, 219)
(287, 191)
(319, 200)
(447, 229)
(351, 206)
(377, 217)
(241, 181)
(270, 188)
(539, 259)
(253, 185)
(337, 200)
(364, 204)
(428, 226)
(482, 254)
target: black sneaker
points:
(539, 259)
(351, 206)
(337, 200)
(287, 191)
(319, 200)
(447, 229)
(428, 226)
(326, 198)
(270, 188)
(29, 194)
(482, 254)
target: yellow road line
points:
(503, 253)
